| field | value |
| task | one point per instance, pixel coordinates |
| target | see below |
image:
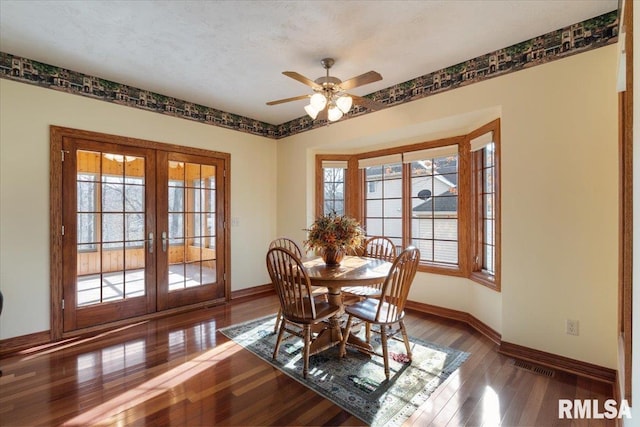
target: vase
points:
(332, 256)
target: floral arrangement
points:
(334, 232)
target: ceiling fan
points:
(330, 100)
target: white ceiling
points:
(230, 55)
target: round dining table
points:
(352, 271)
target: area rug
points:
(357, 382)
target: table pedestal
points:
(332, 334)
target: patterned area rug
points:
(357, 382)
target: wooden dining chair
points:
(297, 302)
(387, 310)
(375, 247)
(286, 243)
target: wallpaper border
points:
(577, 38)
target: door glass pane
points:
(192, 226)
(113, 228)
(176, 198)
(194, 274)
(110, 227)
(134, 229)
(134, 197)
(112, 195)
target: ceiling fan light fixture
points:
(334, 113)
(318, 101)
(344, 103)
(312, 111)
(330, 93)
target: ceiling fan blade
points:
(367, 103)
(362, 79)
(302, 79)
(282, 101)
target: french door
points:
(191, 229)
(142, 230)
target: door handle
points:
(150, 243)
(164, 241)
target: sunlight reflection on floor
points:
(490, 407)
(156, 386)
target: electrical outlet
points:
(572, 327)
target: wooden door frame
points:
(625, 248)
(127, 307)
(185, 296)
(56, 156)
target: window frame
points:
(349, 178)
(437, 265)
(470, 236)
(477, 273)
(383, 184)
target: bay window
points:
(440, 196)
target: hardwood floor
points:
(180, 371)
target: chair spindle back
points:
(380, 247)
(395, 289)
(292, 284)
(286, 243)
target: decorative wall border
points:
(577, 38)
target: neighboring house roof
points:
(445, 201)
(448, 174)
(442, 204)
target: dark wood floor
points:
(180, 371)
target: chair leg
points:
(385, 350)
(279, 339)
(405, 337)
(307, 345)
(368, 332)
(278, 320)
(345, 337)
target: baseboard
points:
(23, 342)
(577, 367)
(254, 291)
(461, 316)
(539, 357)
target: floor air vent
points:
(547, 372)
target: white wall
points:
(27, 113)
(559, 197)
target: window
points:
(334, 186)
(331, 185)
(383, 202)
(484, 207)
(440, 196)
(434, 203)
(483, 175)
